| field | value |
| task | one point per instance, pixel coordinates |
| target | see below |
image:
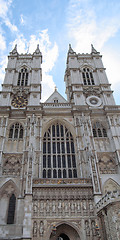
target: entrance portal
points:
(64, 232)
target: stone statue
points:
(41, 228)
(87, 228)
(35, 229)
(93, 228)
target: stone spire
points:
(71, 50)
(14, 51)
(37, 51)
(93, 50)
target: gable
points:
(56, 97)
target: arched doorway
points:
(65, 232)
(63, 237)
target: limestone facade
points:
(59, 160)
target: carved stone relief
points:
(38, 228)
(90, 228)
(87, 228)
(12, 165)
(58, 204)
(107, 164)
(91, 91)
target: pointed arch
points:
(86, 65)
(110, 185)
(9, 193)
(23, 73)
(11, 186)
(23, 65)
(59, 121)
(87, 75)
(64, 227)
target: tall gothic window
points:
(87, 77)
(58, 153)
(11, 209)
(23, 77)
(16, 131)
(99, 130)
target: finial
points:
(37, 46)
(55, 88)
(93, 50)
(70, 49)
(37, 51)
(14, 51)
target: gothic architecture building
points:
(59, 160)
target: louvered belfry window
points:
(23, 77)
(87, 77)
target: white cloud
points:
(11, 26)
(85, 27)
(2, 42)
(22, 19)
(3, 64)
(4, 6)
(111, 62)
(49, 52)
(21, 44)
(4, 14)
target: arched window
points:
(87, 77)
(16, 131)
(11, 209)
(58, 153)
(23, 77)
(99, 130)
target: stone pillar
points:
(27, 223)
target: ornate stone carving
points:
(20, 91)
(87, 228)
(12, 165)
(107, 163)
(93, 228)
(62, 207)
(41, 229)
(91, 91)
(34, 229)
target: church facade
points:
(59, 160)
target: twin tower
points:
(59, 160)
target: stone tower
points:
(59, 160)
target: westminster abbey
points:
(59, 160)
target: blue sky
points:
(56, 23)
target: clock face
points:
(19, 101)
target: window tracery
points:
(16, 131)
(99, 130)
(23, 77)
(58, 153)
(87, 77)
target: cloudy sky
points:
(56, 23)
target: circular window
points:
(93, 101)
